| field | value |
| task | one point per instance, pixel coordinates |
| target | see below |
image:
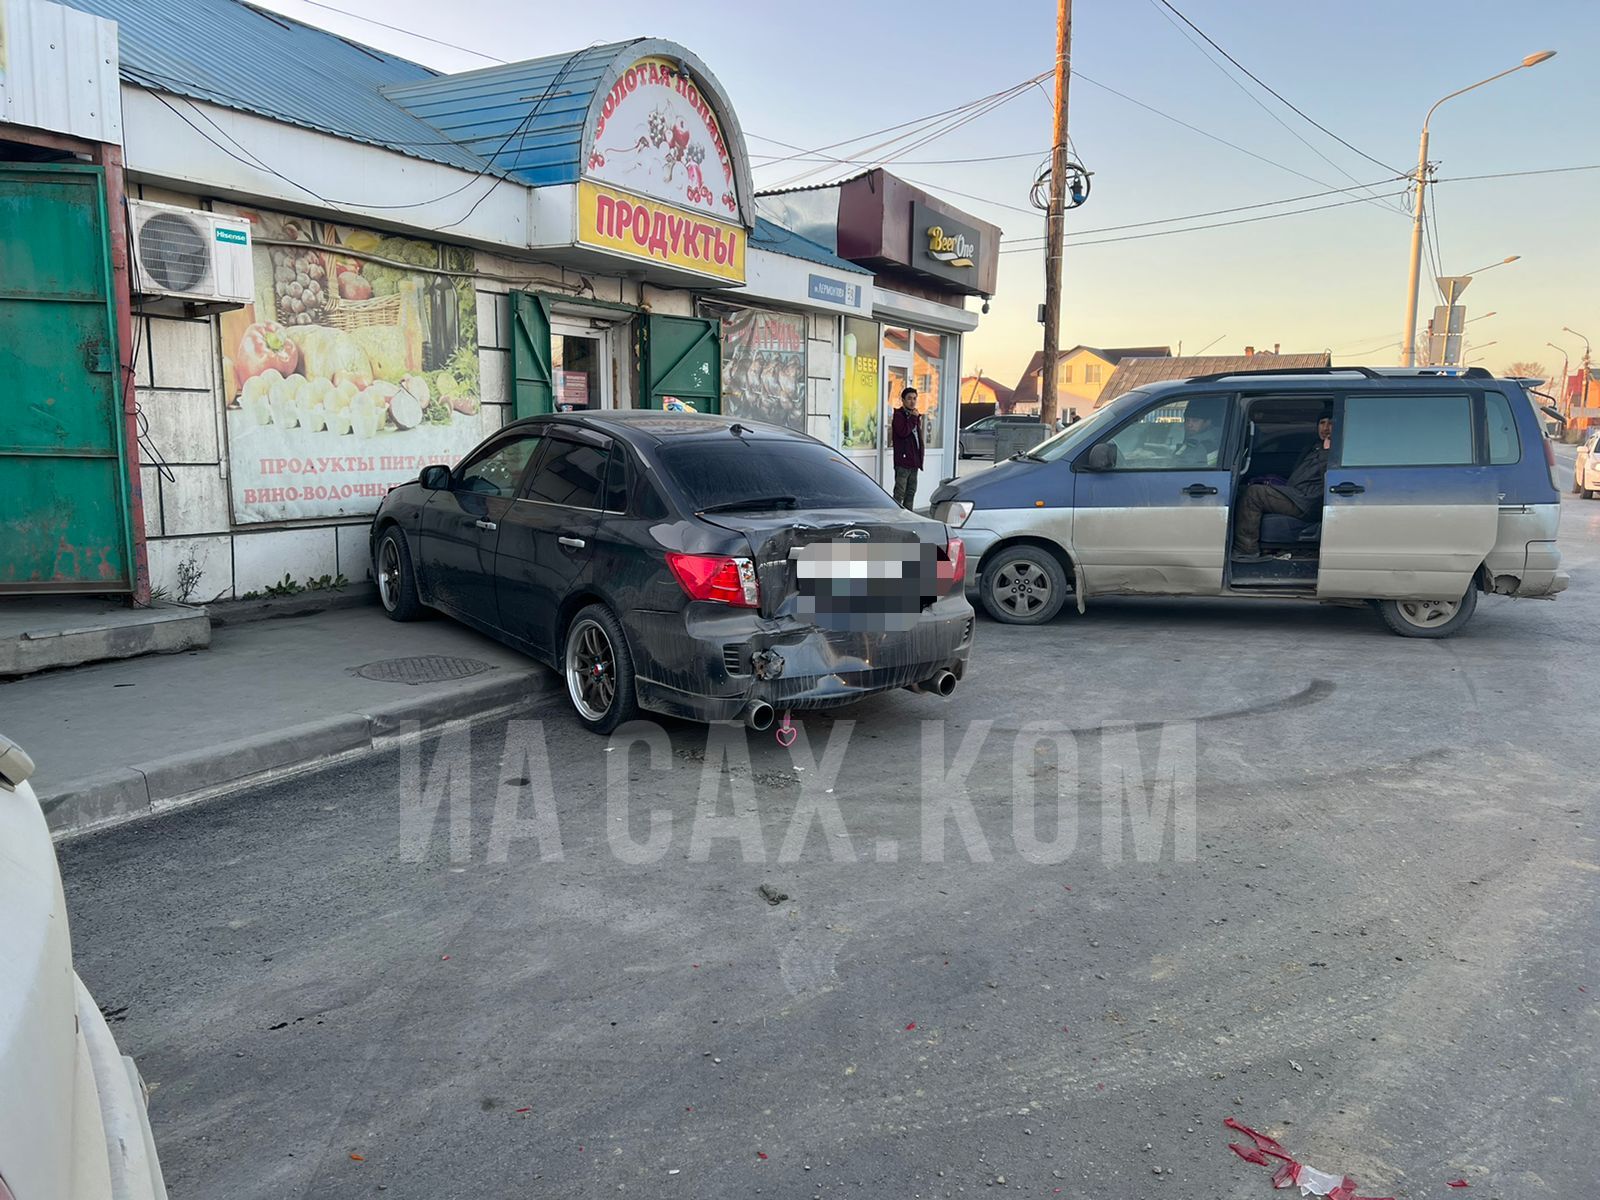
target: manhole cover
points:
(426, 668)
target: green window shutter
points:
(532, 381)
(683, 358)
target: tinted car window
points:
(616, 494)
(1407, 431)
(712, 473)
(570, 473)
(1504, 445)
(494, 471)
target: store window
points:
(927, 369)
(860, 384)
(763, 364)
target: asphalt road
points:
(1381, 950)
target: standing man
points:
(907, 433)
(1299, 497)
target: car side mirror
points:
(436, 478)
(1101, 458)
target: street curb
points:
(303, 604)
(160, 784)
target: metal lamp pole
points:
(1561, 394)
(1408, 337)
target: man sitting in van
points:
(1300, 497)
(1202, 436)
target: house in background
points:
(1136, 372)
(1080, 375)
(981, 396)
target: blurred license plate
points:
(856, 586)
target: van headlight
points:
(954, 513)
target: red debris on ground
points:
(912, 1025)
(524, 1110)
(1290, 1173)
(1458, 1183)
(761, 1154)
(357, 1158)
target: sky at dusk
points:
(818, 73)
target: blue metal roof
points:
(526, 117)
(229, 53)
(769, 235)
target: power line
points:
(1217, 212)
(1280, 97)
(922, 120)
(905, 162)
(1196, 129)
(1161, 7)
(1133, 237)
(411, 33)
(1519, 174)
(940, 124)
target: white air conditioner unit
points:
(201, 258)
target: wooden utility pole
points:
(1054, 218)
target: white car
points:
(1586, 477)
(73, 1124)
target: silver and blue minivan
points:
(1439, 484)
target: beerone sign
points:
(942, 245)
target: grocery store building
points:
(312, 292)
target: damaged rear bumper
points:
(710, 663)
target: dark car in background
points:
(977, 439)
(682, 563)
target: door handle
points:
(481, 524)
(1199, 489)
(1346, 489)
(572, 543)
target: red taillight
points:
(953, 562)
(717, 577)
(1549, 452)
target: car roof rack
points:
(1367, 371)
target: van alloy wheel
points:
(1428, 614)
(1023, 585)
(1021, 588)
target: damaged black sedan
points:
(680, 563)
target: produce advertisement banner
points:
(351, 371)
(640, 228)
(763, 365)
(860, 390)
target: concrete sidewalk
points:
(118, 740)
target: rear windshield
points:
(715, 473)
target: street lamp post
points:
(1408, 337)
(1561, 392)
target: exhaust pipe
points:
(759, 716)
(941, 684)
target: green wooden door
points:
(683, 358)
(533, 383)
(63, 474)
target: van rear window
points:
(1504, 444)
(1416, 430)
